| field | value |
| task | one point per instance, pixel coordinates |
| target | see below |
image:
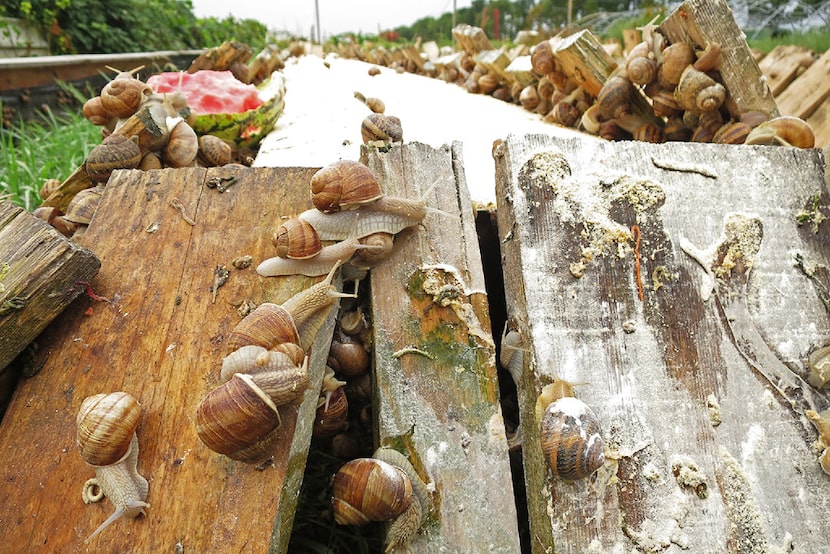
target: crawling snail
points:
(570, 433)
(383, 488)
(108, 442)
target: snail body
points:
(107, 441)
(388, 214)
(320, 264)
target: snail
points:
(819, 365)
(512, 352)
(784, 130)
(734, 132)
(379, 246)
(267, 325)
(698, 92)
(348, 357)
(343, 185)
(383, 488)
(373, 103)
(332, 412)
(710, 58)
(378, 127)
(94, 111)
(487, 83)
(296, 239)
(614, 98)
(214, 152)
(674, 59)
(107, 441)
(570, 433)
(319, 264)
(182, 143)
(542, 58)
(822, 424)
(122, 96)
(641, 65)
(115, 152)
(664, 104)
(54, 217)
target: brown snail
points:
(122, 96)
(296, 239)
(378, 127)
(674, 59)
(267, 325)
(784, 130)
(344, 185)
(529, 98)
(383, 488)
(542, 59)
(641, 65)
(348, 357)
(319, 264)
(614, 98)
(107, 441)
(214, 152)
(182, 144)
(570, 435)
(698, 92)
(94, 111)
(379, 246)
(332, 413)
(83, 205)
(115, 152)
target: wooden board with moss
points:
(157, 329)
(436, 393)
(41, 272)
(681, 288)
(701, 22)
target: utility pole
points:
(452, 37)
(317, 18)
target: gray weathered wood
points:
(436, 394)
(699, 386)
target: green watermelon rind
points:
(247, 128)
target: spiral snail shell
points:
(570, 439)
(697, 92)
(366, 490)
(343, 185)
(182, 144)
(296, 239)
(267, 325)
(379, 127)
(784, 130)
(122, 96)
(107, 441)
(115, 152)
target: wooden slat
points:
(809, 91)
(819, 120)
(784, 64)
(40, 275)
(583, 58)
(436, 394)
(161, 337)
(704, 21)
(698, 386)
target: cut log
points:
(159, 332)
(700, 22)
(808, 92)
(41, 272)
(680, 287)
(436, 393)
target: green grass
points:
(817, 40)
(51, 146)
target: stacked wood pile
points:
(586, 65)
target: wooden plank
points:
(40, 275)
(471, 40)
(161, 337)
(583, 58)
(784, 64)
(819, 120)
(808, 92)
(699, 387)
(436, 393)
(704, 21)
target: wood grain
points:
(160, 336)
(436, 393)
(699, 385)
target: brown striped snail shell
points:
(106, 423)
(122, 96)
(529, 98)
(267, 325)
(542, 59)
(344, 185)
(348, 357)
(366, 490)
(214, 152)
(570, 439)
(296, 239)
(115, 152)
(565, 114)
(379, 245)
(332, 414)
(83, 205)
(640, 65)
(94, 111)
(238, 419)
(614, 97)
(378, 127)
(664, 104)
(734, 132)
(674, 59)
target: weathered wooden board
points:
(436, 393)
(704, 21)
(698, 383)
(784, 64)
(583, 58)
(41, 272)
(808, 92)
(160, 337)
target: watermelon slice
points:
(224, 106)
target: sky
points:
(336, 16)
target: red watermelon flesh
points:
(209, 92)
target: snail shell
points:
(115, 152)
(381, 127)
(106, 424)
(366, 489)
(332, 415)
(83, 205)
(674, 59)
(122, 96)
(296, 239)
(267, 326)
(565, 114)
(542, 59)
(275, 372)
(784, 130)
(348, 357)
(529, 98)
(819, 365)
(487, 83)
(614, 98)
(238, 420)
(697, 92)
(214, 152)
(379, 246)
(570, 439)
(640, 65)
(182, 144)
(664, 104)
(96, 114)
(732, 133)
(344, 185)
